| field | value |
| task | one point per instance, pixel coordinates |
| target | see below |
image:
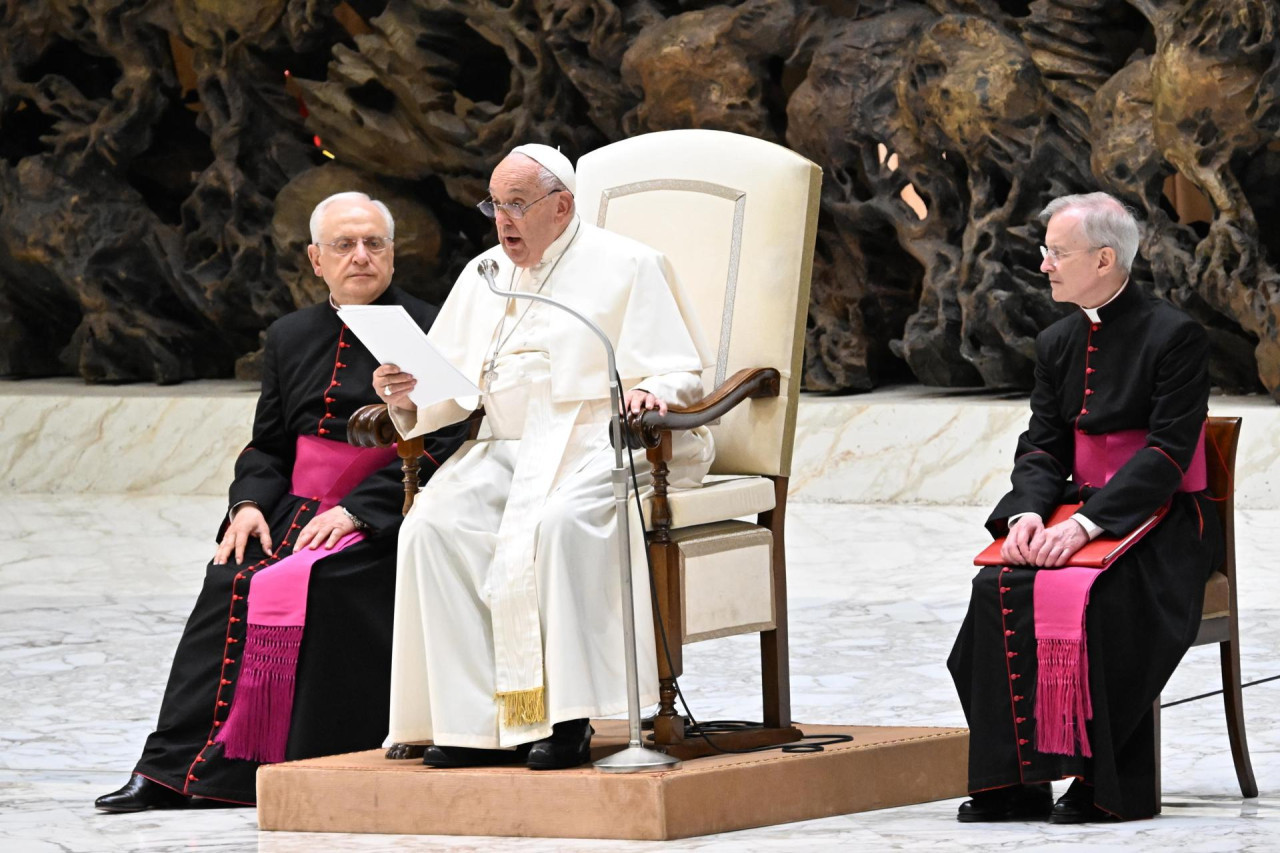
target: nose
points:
(501, 215)
(1047, 264)
(360, 254)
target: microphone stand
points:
(636, 757)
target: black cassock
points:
(1143, 366)
(316, 374)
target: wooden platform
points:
(365, 792)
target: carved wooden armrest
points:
(647, 427)
(371, 426)
(652, 431)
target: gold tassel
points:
(522, 707)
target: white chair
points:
(737, 218)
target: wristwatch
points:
(355, 519)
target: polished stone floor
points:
(94, 591)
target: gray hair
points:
(317, 215)
(1106, 222)
(548, 180)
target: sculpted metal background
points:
(159, 159)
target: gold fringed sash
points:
(523, 707)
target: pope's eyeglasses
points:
(515, 210)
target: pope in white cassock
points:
(508, 624)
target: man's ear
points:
(313, 254)
(564, 205)
(1106, 259)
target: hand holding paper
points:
(395, 339)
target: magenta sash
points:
(257, 727)
(1063, 703)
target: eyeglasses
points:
(1055, 257)
(515, 210)
(347, 245)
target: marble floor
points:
(94, 591)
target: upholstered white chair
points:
(736, 217)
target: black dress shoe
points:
(568, 746)
(1076, 806)
(436, 755)
(1015, 802)
(141, 794)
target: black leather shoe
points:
(1016, 802)
(141, 794)
(568, 746)
(1076, 806)
(463, 756)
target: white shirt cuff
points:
(231, 513)
(1092, 530)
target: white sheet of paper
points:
(391, 335)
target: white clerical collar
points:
(1092, 313)
(559, 244)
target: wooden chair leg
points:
(1234, 704)
(1155, 719)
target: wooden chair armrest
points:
(646, 428)
(371, 426)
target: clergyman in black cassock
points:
(1133, 363)
(315, 376)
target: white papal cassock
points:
(508, 600)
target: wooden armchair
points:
(1218, 623)
(737, 218)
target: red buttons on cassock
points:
(1084, 411)
(1004, 589)
(1020, 720)
(1026, 764)
(1093, 327)
(1006, 611)
(225, 682)
(1009, 633)
(1006, 569)
(1011, 655)
(1093, 349)
(1089, 370)
(1014, 676)
(1088, 391)
(221, 704)
(228, 661)
(322, 431)
(1018, 698)
(1023, 741)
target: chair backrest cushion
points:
(737, 218)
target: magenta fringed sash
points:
(257, 727)
(1063, 704)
